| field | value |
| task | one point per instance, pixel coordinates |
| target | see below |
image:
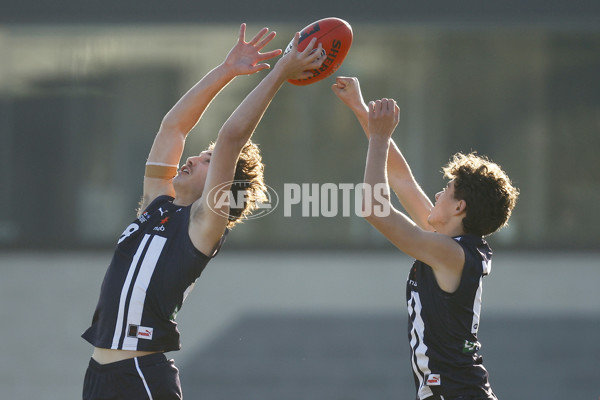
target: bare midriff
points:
(107, 356)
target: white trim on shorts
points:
(137, 366)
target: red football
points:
(336, 37)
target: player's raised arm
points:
(437, 249)
(209, 214)
(243, 59)
(400, 177)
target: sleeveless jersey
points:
(153, 269)
(442, 327)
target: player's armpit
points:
(206, 228)
(154, 187)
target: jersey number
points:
(128, 231)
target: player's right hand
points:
(384, 116)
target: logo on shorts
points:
(140, 332)
(433, 380)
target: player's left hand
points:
(245, 58)
(297, 64)
(384, 116)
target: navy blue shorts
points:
(148, 377)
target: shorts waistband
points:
(128, 363)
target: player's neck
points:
(185, 195)
(452, 228)
(181, 199)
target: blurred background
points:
(301, 307)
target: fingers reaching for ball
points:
(335, 37)
(301, 64)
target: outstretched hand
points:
(245, 58)
(384, 116)
(300, 64)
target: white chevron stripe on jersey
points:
(477, 308)
(487, 268)
(124, 290)
(138, 295)
(133, 314)
(420, 361)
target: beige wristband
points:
(160, 171)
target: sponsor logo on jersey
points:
(144, 217)
(140, 332)
(412, 277)
(433, 380)
(161, 228)
(470, 347)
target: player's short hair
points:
(248, 177)
(487, 190)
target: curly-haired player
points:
(443, 290)
(180, 227)
(248, 178)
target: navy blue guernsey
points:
(442, 327)
(153, 269)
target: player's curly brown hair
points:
(248, 177)
(487, 190)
